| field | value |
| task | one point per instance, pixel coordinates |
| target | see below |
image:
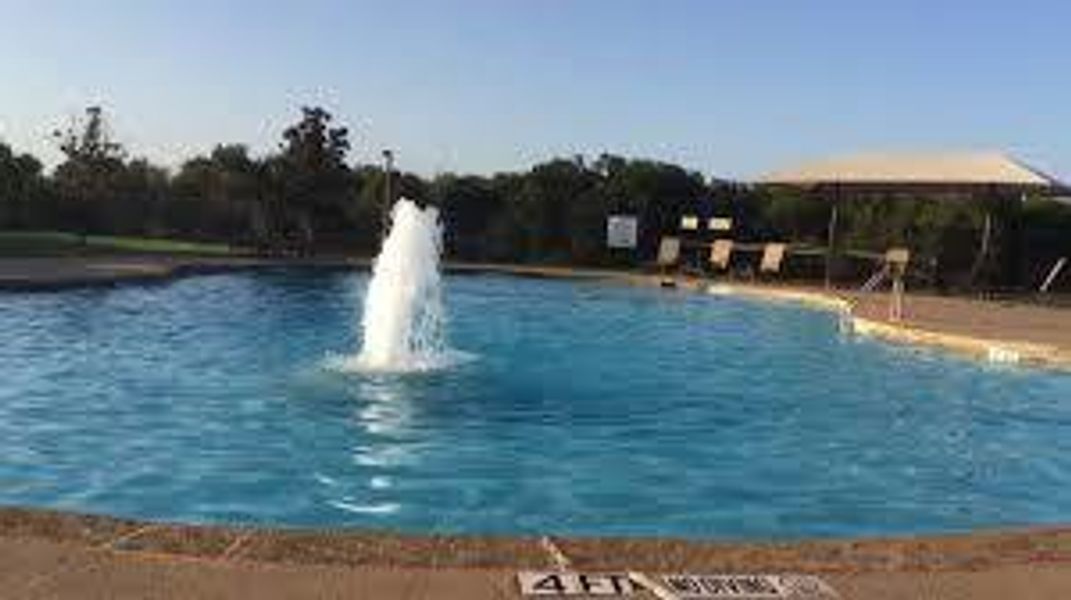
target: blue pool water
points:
(588, 409)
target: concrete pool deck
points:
(60, 555)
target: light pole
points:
(388, 193)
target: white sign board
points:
(720, 224)
(621, 231)
(563, 583)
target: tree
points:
(469, 206)
(310, 183)
(545, 205)
(1046, 238)
(21, 190)
(140, 196)
(87, 178)
(217, 196)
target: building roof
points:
(968, 168)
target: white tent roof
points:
(970, 168)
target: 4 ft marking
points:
(551, 583)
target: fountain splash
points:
(403, 322)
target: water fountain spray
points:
(403, 312)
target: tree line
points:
(306, 198)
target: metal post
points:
(832, 236)
(981, 258)
(388, 193)
(896, 307)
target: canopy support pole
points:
(983, 249)
(831, 236)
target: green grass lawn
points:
(58, 243)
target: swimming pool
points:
(584, 408)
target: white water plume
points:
(403, 321)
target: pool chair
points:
(772, 256)
(669, 251)
(721, 254)
(669, 254)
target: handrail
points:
(868, 286)
(875, 280)
(1056, 268)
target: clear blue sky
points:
(725, 87)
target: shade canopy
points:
(943, 169)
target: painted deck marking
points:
(688, 586)
(566, 583)
(702, 587)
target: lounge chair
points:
(721, 253)
(669, 254)
(772, 256)
(669, 251)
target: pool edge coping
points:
(979, 348)
(353, 547)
